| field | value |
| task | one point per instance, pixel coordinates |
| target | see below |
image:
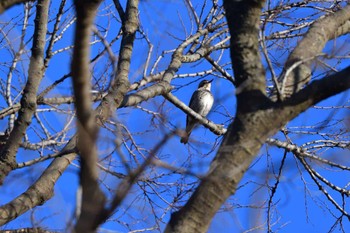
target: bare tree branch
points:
(28, 101)
(236, 151)
(120, 10)
(257, 118)
(317, 91)
(125, 186)
(6, 4)
(41, 191)
(167, 60)
(323, 30)
(217, 129)
(120, 84)
(93, 199)
(57, 163)
(28, 230)
(243, 21)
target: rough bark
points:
(121, 84)
(257, 118)
(29, 98)
(41, 191)
(226, 170)
(297, 70)
(35, 195)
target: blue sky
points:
(300, 206)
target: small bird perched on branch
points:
(201, 102)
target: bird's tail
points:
(187, 133)
(184, 139)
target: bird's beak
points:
(210, 81)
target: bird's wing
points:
(194, 101)
(190, 122)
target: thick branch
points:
(42, 189)
(93, 199)
(119, 87)
(6, 4)
(243, 19)
(256, 120)
(29, 99)
(323, 30)
(315, 92)
(242, 141)
(120, 84)
(163, 86)
(241, 144)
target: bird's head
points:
(205, 84)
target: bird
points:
(201, 102)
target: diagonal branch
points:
(217, 129)
(120, 84)
(126, 184)
(59, 164)
(257, 119)
(42, 189)
(242, 141)
(6, 4)
(120, 10)
(316, 91)
(312, 44)
(29, 98)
